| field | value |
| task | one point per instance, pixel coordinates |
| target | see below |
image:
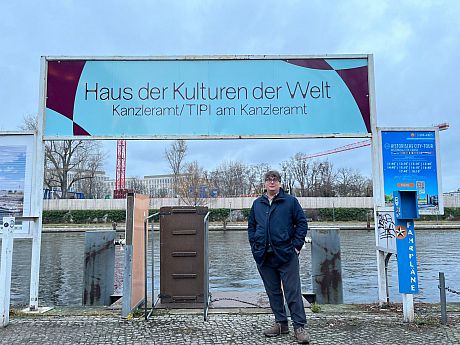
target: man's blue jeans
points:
(273, 274)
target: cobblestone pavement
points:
(355, 327)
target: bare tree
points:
(69, 162)
(94, 186)
(343, 181)
(314, 178)
(327, 179)
(175, 155)
(29, 123)
(137, 185)
(193, 185)
(287, 177)
(256, 177)
(231, 179)
(350, 182)
(253, 179)
(368, 187)
(300, 167)
(320, 179)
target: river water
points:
(231, 267)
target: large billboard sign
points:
(208, 97)
(410, 161)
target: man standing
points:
(276, 230)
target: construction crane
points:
(347, 147)
(442, 127)
(120, 180)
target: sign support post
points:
(382, 279)
(207, 97)
(5, 269)
(35, 266)
(24, 203)
(37, 196)
(37, 207)
(406, 210)
(408, 307)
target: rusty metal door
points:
(182, 254)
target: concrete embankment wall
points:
(232, 203)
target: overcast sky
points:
(415, 46)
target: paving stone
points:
(358, 327)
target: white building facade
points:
(156, 186)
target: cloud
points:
(415, 47)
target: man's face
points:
(272, 185)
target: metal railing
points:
(146, 220)
(206, 294)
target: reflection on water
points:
(233, 269)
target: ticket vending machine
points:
(406, 211)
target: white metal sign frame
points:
(37, 198)
(57, 112)
(31, 219)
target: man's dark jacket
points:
(282, 225)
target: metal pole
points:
(128, 259)
(206, 270)
(387, 290)
(381, 277)
(37, 193)
(5, 276)
(145, 268)
(333, 211)
(153, 260)
(153, 263)
(408, 307)
(147, 316)
(442, 293)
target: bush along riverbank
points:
(230, 215)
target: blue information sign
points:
(409, 163)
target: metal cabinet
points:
(182, 254)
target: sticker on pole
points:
(401, 232)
